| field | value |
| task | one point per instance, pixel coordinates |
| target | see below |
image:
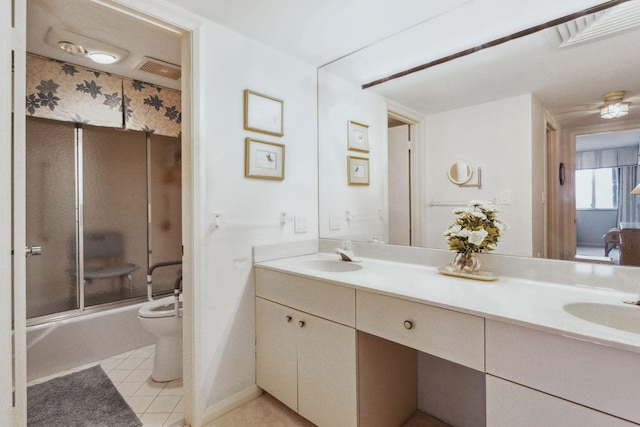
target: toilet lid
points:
(163, 307)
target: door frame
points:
(417, 165)
(567, 200)
(13, 31)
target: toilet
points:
(159, 318)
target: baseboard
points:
(231, 403)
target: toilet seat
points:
(163, 307)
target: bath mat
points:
(86, 398)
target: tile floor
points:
(267, 411)
(161, 404)
(156, 404)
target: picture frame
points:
(263, 113)
(357, 170)
(264, 160)
(358, 137)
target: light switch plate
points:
(334, 222)
(300, 224)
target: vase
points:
(465, 262)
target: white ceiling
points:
(364, 40)
(87, 19)
(320, 31)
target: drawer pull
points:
(301, 323)
(289, 319)
(408, 324)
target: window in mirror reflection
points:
(597, 188)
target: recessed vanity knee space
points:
(370, 346)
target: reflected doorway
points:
(399, 179)
(606, 173)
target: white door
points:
(12, 214)
(399, 186)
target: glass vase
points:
(465, 262)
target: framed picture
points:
(263, 113)
(358, 137)
(357, 170)
(263, 160)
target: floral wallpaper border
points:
(66, 92)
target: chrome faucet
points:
(346, 252)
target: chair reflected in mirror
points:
(611, 240)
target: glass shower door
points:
(114, 214)
(51, 217)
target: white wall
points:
(497, 137)
(227, 63)
(339, 102)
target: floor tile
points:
(118, 375)
(150, 388)
(176, 419)
(139, 404)
(128, 389)
(164, 404)
(153, 420)
(139, 375)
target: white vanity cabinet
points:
(537, 378)
(305, 353)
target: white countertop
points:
(538, 305)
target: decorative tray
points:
(486, 276)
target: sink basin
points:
(334, 266)
(625, 318)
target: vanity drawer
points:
(513, 405)
(326, 300)
(593, 375)
(447, 334)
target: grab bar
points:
(150, 272)
(177, 290)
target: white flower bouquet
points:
(476, 228)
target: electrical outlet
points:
(334, 222)
(300, 224)
(505, 197)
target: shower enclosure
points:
(102, 205)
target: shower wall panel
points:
(50, 206)
(166, 209)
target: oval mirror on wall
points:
(460, 173)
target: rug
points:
(86, 398)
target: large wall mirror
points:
(516, 110)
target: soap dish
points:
(486, 276)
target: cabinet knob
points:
(408, 324)
(301, 323)
(289, 319)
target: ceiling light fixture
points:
(102, 57)
(77, 44)
(72, 48)
(614, 106)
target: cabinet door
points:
(326, 372)
(276, 355)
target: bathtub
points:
(64, 344)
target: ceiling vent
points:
(600, 24)
(159, 68)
